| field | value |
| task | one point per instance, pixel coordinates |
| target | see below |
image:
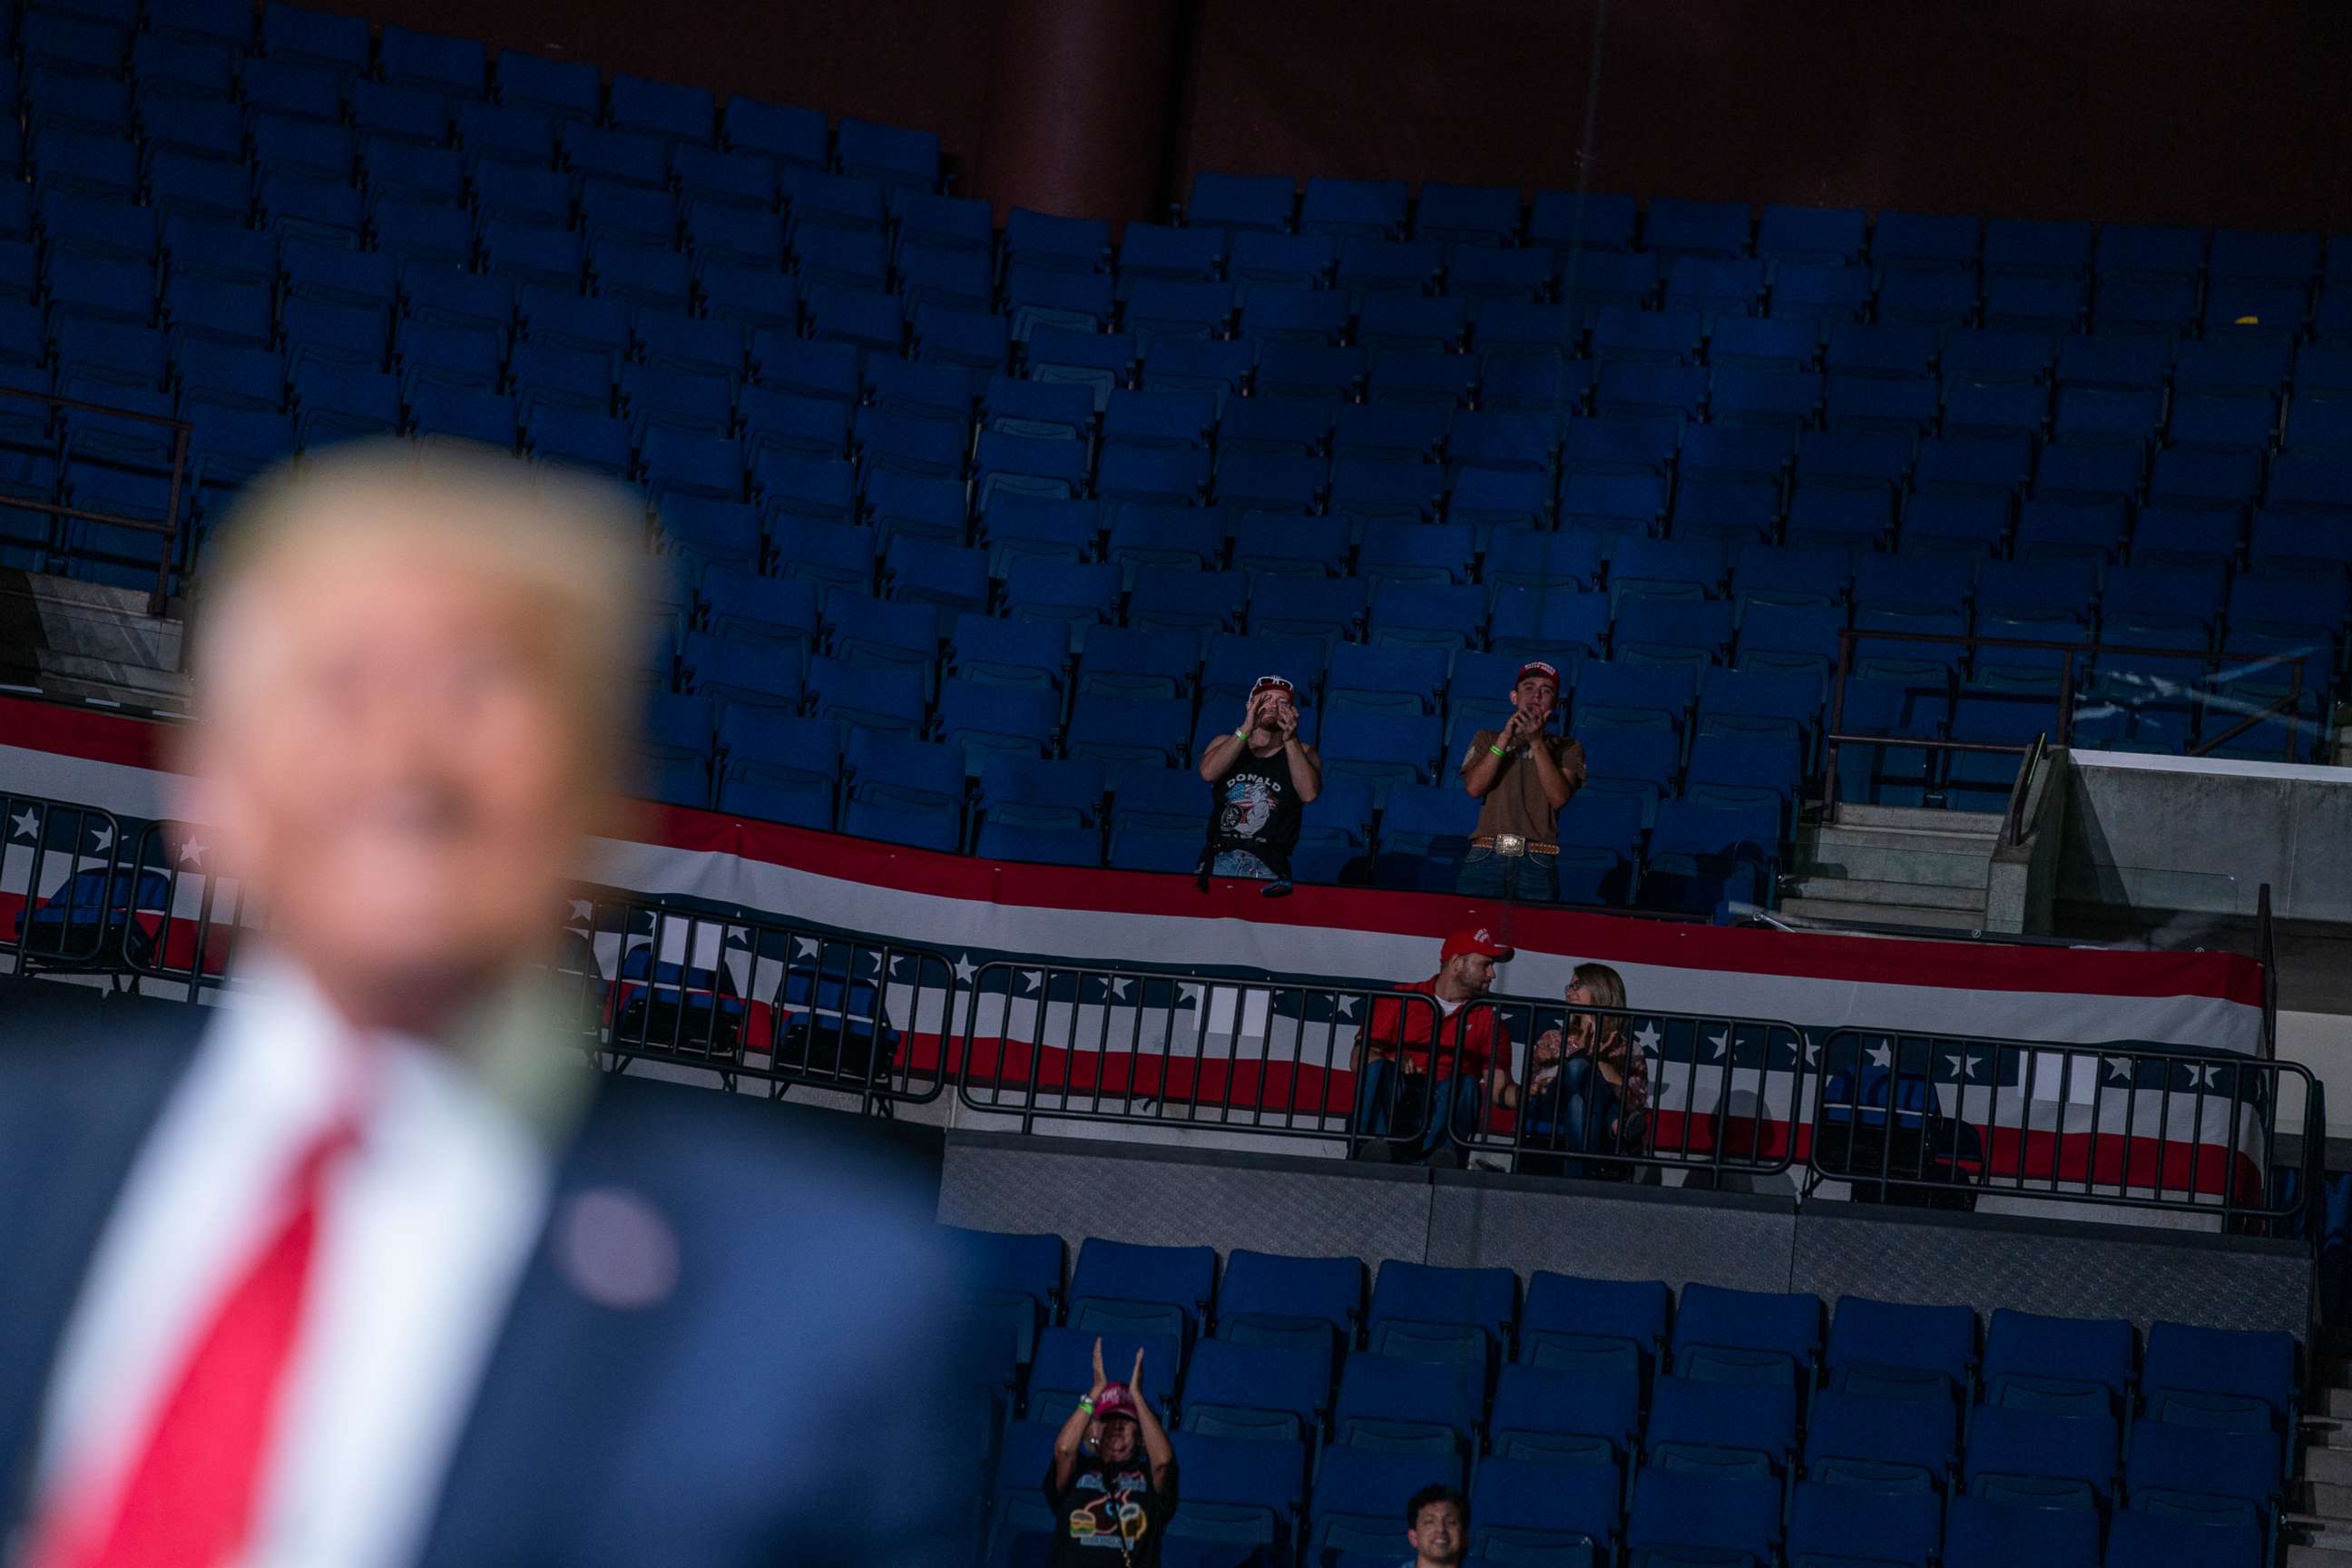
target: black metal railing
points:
(191, 912)
(1052, 1039)
(1718, 1093)
(167, 528)
(2069, 654)
(65, 898)
(2266, 956)
(770, 999)
(1926, 1118)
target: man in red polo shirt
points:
(1392, 1057)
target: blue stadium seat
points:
(1985, 1534)
(1901, 1351)
(1872, 1443)
(1418, 1299)
(1361, 1493)
(2234, 1380)
(1905, 241)
(2193, 1471)
(1745, 1335)
(1401, 1405)
(1265, 1391)
(1046, 812)
(2136, 1537)
(1179, 1278)
(1720, 1428)
(2040, 1459)
(1728, 1519)
(990, 723)
(1525, 1511)
(1157, 818)
(1829, 1525)
(902, 790)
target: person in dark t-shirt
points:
(1112, 1480)
(1260, 776)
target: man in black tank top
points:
(1260, 777)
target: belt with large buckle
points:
(1512, 844)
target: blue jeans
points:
(1531, 878)
(1452, 1103)
(1578, 1114)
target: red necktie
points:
(188, 1496)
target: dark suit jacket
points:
(771, 1408)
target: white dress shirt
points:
(425, 1227)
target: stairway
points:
(87, 642)
(2318, 1532)
(1895, 866)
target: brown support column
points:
(1081, 95)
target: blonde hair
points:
(571, 542)
(1606, 985)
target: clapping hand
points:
(1102, 1382)
(1135, 1380)
(1284, 721)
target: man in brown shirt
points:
(1521, 775)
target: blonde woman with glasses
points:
(1588, 1087)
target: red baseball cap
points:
(1538, 667)
(1113, 1401)
(1273, 683)
(1474, 939)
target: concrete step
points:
(1887, 863)
(2322, 1499)
(1812, 883)
(2324, 1465)
(2336, 1400)
(1841, 911)
(1919, 819)
(2326, 1549)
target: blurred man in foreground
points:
(362, 1270)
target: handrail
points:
(2266, 955)
(1837, 736)
(2013, 817)
(169, 528)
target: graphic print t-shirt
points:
(1257, 807)
(1103, 1507)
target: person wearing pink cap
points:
(1112, 1481)
(1261, 777)
(1520, 776)
(1412, 1097)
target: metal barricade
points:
(772, 1000)
(1056, 1039)
(1942, 1119)
(65, 897)
(190, 912)
(1719, 1094)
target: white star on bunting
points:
(1963, 1065)
(1882, 1056)
(1120, 985)
(807, 947)
(192, 853)
(2119, 1069)
(1347, 1006)
(26, 826)
(581, 909)
(102, 839)
(1032, 978)
(1715, 1044)
(1189, 994)
(965, 969)
(1649, 1039)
